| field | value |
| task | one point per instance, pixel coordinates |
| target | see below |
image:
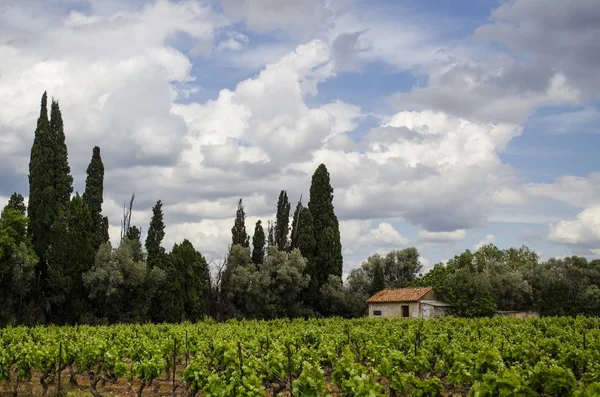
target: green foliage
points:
(258, 244)
(16, 202)
(43, 209)
(71, 255)
(311, 382)
(134, 235)
(295, 224)
(397, 269)
(156, 233)
(238, 231)
(282, 223)
(120, 287)
(378, 279)
(17, 265)
(269, 291)
(328, 249)
(184, 293)
(401, 267)
(93, 196)
(63, 182)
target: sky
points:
(444, 124)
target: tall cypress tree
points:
(156, 233)
(328, 251)
(238, 231)
(42, 211)
(295, 224)
(282, 223)
(63, 181)
(93, 196)
(258, 244)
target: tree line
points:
(479, 283)
(57, 264)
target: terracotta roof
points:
(399, 295)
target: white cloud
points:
(487, 92)
(442, 237)
(583, 231)
(575, 190)
(119, 75)
(489, 239)
(359, 235)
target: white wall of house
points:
(393, 310)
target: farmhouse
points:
(406, 302)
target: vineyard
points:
(440, 357)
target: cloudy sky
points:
(444, 124)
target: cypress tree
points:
(271, 235)
(105, 236)
(282, 223)
(63, 182)
(258, 244)
(294, 235)
(328, 251)
(238, 231)
(93, 196)
(42, 210)
(16, 202)
(156, 233)
(306, 236)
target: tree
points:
(93, 196)
(467, 295)
(268, 292)
(271, 236)
(305, 238)
(134, 235)
(295, 224)
(401, 267)
(378, 283)
(239, 256)
(286, 276)
(156, 233)
(121, 288)
(71, 255)
(62, 171)
(258, 244)
(17, 266)
(338, 300)
(238, 231)
(328, 250)
(16, 202)
(282, 223)
(42, 210)
(185, 290)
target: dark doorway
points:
(404, 310)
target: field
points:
(404, 357)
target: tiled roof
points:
(399, 295)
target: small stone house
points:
(407, 302)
